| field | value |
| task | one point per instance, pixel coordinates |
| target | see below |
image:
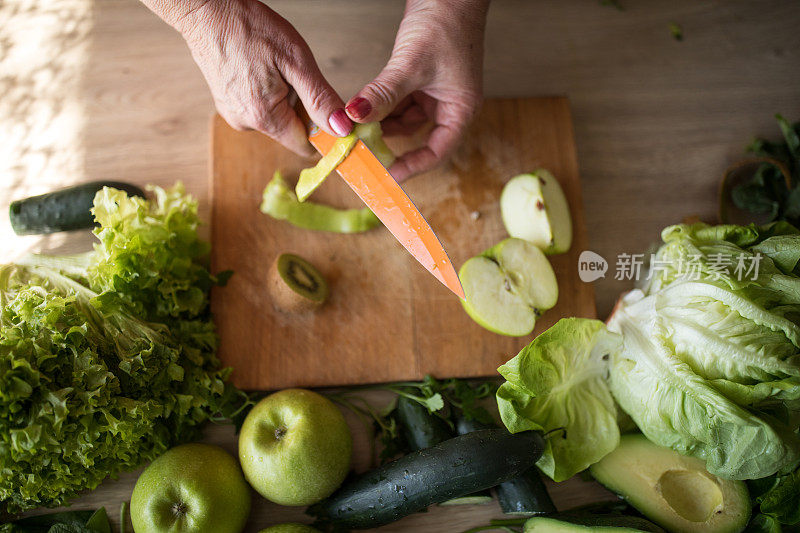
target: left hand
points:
(435, 73)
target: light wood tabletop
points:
(104, 90)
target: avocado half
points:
(673, 490)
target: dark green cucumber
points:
(525, 495)
(63, 210)
(423, 429)
(420, 428)
(453, 468)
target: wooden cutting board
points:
(387, 318)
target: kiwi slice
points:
(296, 285)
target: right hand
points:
(251, 58)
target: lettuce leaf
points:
(782, 500)
(557, 385)
(106, 368)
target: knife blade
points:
(362, 171)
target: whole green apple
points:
(295, 447)
(293, 527)
(195, 488)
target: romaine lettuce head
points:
(557, 384)
(705, 361)
(711, 357)
(673, 405)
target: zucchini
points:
(63, 210)
(423, 429)
(525, 495)
(458, 466)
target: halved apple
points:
(534, 208)
(508, 287)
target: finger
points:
(380, 96)
(282, 124)
(406, 124)
(442, 142)
(324, 106)
(401, 108)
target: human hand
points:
(434, 74)
(251, 58)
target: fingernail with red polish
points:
(359, 108)
(340, 123)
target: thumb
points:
(379, 97)
(324, 106)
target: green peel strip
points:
(311, 178)
(281, 203)
(372, 135)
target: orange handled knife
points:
(362, 171)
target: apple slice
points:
(508, 287)
(534, 208)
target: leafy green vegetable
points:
(711, 359)
(64, 522)
(150, 255)
(767, 192)
(761, 523)
(281, 203)
(109, 366)
(780, 497)
(708, 362)
(557, 384)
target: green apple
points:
(195, 488)
(508, 287)
(534, 208)
(293, 527)
(295, 447)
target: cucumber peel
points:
(311, 178)
(372, 136)
(281, 203)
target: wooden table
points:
(103, 90)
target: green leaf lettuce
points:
(557, 385)
(105, 367)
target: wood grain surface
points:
(387, 318)
(104, 90)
